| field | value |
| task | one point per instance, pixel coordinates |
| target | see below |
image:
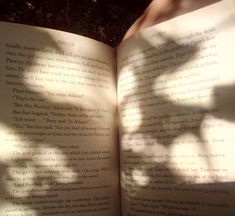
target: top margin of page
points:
(220, 3)
(32, 27)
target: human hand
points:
(162, 10)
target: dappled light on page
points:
(186, 159)
(131, 117)
(131, 112)
(9, 208)
(56, 162)
(185, 88)
(140, 143)
(137, 144)
(58, 147)
(181, 89)
(140, 178)
(128, 82)
(220, 139)
(20, 179)
(8, 149)
(60, 73)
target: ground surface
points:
(103, 20)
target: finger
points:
(161, 10)
(156, 10)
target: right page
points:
(176, 95)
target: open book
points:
(144, 129)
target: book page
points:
(176, 95)
(58, 152)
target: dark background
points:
(103, 20)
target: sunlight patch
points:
(131, 117)
(135, 142)
(140, 177)
(12, 145)
(127, 84)
(22, 175)
(219, 134)
(183, 90)
(187, 161)
(10, 209)
(56, 161)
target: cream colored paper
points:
(58, 151)
(176, 93)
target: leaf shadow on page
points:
(165, 149)
(39, 163)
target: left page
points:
(58, 152)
